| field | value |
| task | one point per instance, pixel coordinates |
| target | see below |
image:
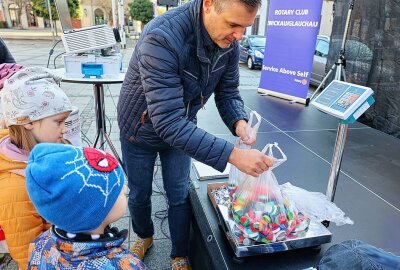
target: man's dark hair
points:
(250, 4)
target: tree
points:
(41, 10)
(141, 10)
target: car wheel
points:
(250, 63)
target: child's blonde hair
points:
(22, 137)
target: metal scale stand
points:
(343, 100)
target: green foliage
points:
(40, 9)
(141, 10)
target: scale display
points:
(344, 100)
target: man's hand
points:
(245, 132)
(250, 161)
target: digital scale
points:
(345, 101)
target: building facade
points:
(19, 14)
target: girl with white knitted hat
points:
(34, 109)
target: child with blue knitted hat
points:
(80, 191)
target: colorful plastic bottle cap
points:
(246, 242)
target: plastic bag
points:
(259, 209)
(235, 175)
(315, 205)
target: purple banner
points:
(292, 30)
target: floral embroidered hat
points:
(32, 94)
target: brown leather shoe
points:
(180, 263)
(141, 246)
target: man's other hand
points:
(246, 133)
(250, 161)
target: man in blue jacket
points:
(181, 59)
(5, 55)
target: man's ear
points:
(207, 5)
(28, 126)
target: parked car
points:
(320, 57)
(252, 50)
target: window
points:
(30, 15)
(99, 16)
(14, 14)
(322, 48)
(254, 29)
(258, 41)
(245, 42)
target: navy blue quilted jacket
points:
(5, 55)
(169, 77)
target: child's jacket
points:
(53, 251)
(18, 217)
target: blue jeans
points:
(357, 255)
(139, 164)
